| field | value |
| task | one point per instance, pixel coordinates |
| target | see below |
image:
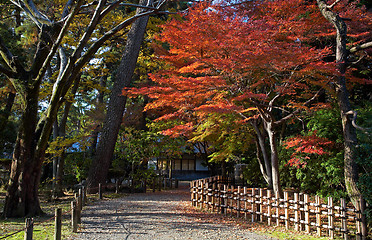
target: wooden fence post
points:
(213, 196)
(225, 203)
(307, 213)
(343, 218)
(260, 206)
(80, 197)
(220, 209)
(58, 224)
(245, 203)
(318, 218)
(29, 225)
(277, 202)
(74, 222)
(330, 217)
(238, 202)
(286, 216)
(100, 190)
(253, 205)
(297, 212)
(269, 207)
(192, 192)
(78, 207)
(301, 205)
(231, 199)
(207, 194)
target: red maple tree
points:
(260, 61)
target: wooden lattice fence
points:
(295, 210)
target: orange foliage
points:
(225, 59)
(310, 144)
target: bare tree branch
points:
(6, 72)
(66, 10)
(12, 61)
(91, 27)
(361, 47)
(353, 122)
(96, 45)
(32, 12)
(57, 43)
(333, 4)
(282, 120)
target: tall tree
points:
(28, 75)
(348, 116)
(266, 67)
(106, 145)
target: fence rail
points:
(295, 210)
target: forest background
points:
(254, 82)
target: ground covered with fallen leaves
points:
(161, 215)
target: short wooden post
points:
(245, 203)
(269, 207)
(277, 202)
(253, 205)
(58, 224)
(238, 202)
(301, 211)
(78, 207)
(192, 193)
(29, 225)
(74, 221)
(260, 205)
(307, 213)
(225, 203)
(117, 187)
(176, 183)
(297, 212)
(231, 200)
(286, 216)
(201, 191)
(207, 194)
(100, 190)
(318, 217)
(80, 197)
(343, 213)
(213, 196)
(219, 198)
(330, 218)
(197, 191)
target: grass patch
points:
(43, 225)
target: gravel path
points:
(161, 215)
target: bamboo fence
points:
(302, 212)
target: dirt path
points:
(161, 215)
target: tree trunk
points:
(105, 149)
(349, 132)
(22, 193)
(266, 170)
(274, 158)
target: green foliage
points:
(227, 136)
(252, 173)
(322, 174)
(364, 159)
(76, 167)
